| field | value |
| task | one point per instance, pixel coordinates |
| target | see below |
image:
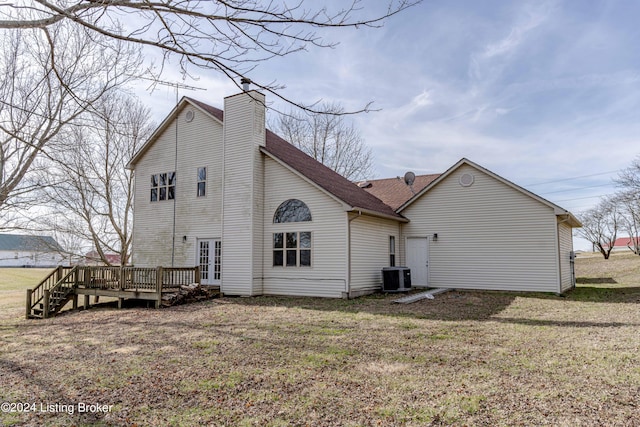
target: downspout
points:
(348, 284)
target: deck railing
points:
(128, 279)
(137, 278)
(36, 295)
(174, 277)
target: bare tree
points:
(45, 88)
(600, 226)
(629, 206)
(92, 198)
(629, 201)
(329, 139)
(629, 178)
(229, 36)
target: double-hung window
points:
(392, 251)
(202, 182)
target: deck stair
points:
(66, 284)
(421, 295)
(52, 293)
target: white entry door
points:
(209, 260)
(418, 260)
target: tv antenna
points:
(176, 85)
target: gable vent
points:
(466, 179)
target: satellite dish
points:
(409, 178)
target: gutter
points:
(363, 211)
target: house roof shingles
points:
(623, 242)
(215, 112)
(325, 177)
(19, 242)
(395, 192)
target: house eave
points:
(377, 214)
(569, 218)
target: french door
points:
(210, 261)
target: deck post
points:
(197, 274)
(76, 282)
(86, 302)
(59, 273)
(45, 305)
(122, 280)
(28, 313)
(87, 276)
(159, 278)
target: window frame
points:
(201, 182)
(163, 187)
(287, 249)
(286, 212)
(392, 251)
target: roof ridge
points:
(399, 177)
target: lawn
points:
(13, 282)
(464, 358)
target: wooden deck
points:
(66, 284)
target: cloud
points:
(488, 63)
(530, 19)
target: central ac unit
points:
(396, 279)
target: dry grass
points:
(465, 358)
(13, 282)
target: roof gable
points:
(19, 242)
(210, 111)
(570, 218)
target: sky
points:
(544, 93)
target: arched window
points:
(292, 210)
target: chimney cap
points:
(245, 83)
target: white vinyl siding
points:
(566, 247)
(199, 139)
(490, 235)
(30, 259)
(242, 238)
(370, 251)
(326, 275)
